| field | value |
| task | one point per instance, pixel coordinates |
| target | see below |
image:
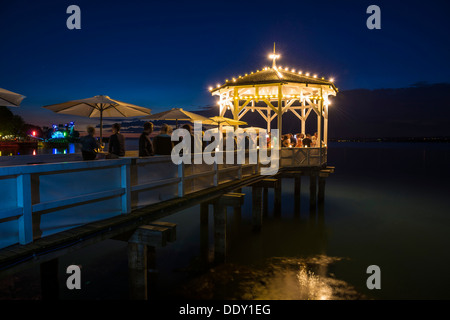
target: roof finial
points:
(274, 56)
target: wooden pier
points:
(135, 219)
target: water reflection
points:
(16, 151)
(275, 279)
(218, 254)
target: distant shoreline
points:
(411, 139)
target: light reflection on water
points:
(276, 279)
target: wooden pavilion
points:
(273, 91)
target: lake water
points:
(387, 204)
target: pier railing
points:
(43, 199)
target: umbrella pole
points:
(101, 127)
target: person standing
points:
(116, 145)
(145, 143)
(307, 141)
(299, 140)
(162, 143)
(89, 145)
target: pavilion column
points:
(280, 116)
(236, 107)
(303, 120)
(325, 126)
(269, 115)
(319, 126)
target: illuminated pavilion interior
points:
(273, 91)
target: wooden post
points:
(303, 126)
(312, 191)
(143, 237)
(181, 177)
(256, 207)
(297, 193)
(126, 184)
(265, 201)
(220, 231)
(216, 174)
(49, 280)
(277, 197)
(204, 232)
(151, 269)
(137, 269)
(25, 221)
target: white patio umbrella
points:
(99, 107)
(176, 114)
(10, 99)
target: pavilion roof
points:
(274, 76)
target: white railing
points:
(43, 199)
(303, 157)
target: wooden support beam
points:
(137, 270)
(150, 236)
(232, 199)
(49, 280)
(312, 190)
(204, 213)
(171, 228)
(297, 193)
(220, 232)
(256, 207)
(277, 197)
(265, 201)
(321, 192)
(267, 183)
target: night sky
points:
(163, 54)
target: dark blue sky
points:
(161, 54)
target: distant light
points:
(33, 133)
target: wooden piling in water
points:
(204, 232)
(49, 280)
(256, 207)
(312, 191)
(220, 231)
(138, 260)
(220, 222)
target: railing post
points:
(216, 174)
(24, 201)
(181, 176)
(126, 184)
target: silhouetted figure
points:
(162, 143)
(116, 145)
(307, 141)
(145, 143)
(89, 145)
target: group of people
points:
(299, 140)
(161, 144)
